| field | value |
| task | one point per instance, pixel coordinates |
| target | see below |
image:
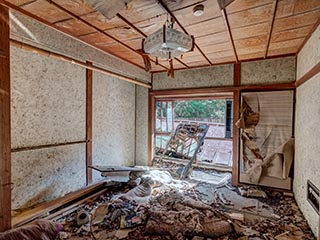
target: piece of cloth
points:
(38, 230)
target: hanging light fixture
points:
(167, 43)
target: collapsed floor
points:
(205, 206)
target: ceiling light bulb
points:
(198, 10)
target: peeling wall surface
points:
(113, 140)
(270, 71)
(307, 130)
(195, 78)
(32, 32)
(141, 126)
(43, 90)
(309, 56)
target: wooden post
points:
(89, 75)
(5, 126)
(151, 127)
(236, 107)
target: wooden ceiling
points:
(246, 29)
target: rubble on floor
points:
(159, 206)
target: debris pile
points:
(162, 207)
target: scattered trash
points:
(161, 207)
(249, 191)
(82, 218)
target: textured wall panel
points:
(307, 151)
(30, 31)
(141, 126)
(309, 56)
(271, 71)
(202, 77)
(113, 122)
(45, 174)
(48, 100)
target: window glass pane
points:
(158, 125)
(164, 120)
(160, 143)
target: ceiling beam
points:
(274, 11)
(99, 30)
(142, 33)
(226, 22)
(164, 6)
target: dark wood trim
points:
(226, 21)
(211, 90)
(274, 10)
(237, 74)
(312, 72)
(5, 125)
(46, 146)
(77, 62)
(151, 112)
(236, 112)
(315, 26)
(236, 138)
(98, 29)
(89, 93)
(164, 6)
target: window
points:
(217, 113)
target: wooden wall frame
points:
(236, 89)
(5, 125)
(89, 78)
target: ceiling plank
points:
(226, 21)
(94, 27)
(183, 29)
(274, 9)
(315, 26)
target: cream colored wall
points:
(195, 78)
(47, 107)
(270, 71)
(141, 126)
(307, 131)
(113, 141)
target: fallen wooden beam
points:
(45, 209)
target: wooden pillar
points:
(5, 126)
(89, 75)
(150, 127)
(236, 108)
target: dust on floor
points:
(204, 206)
